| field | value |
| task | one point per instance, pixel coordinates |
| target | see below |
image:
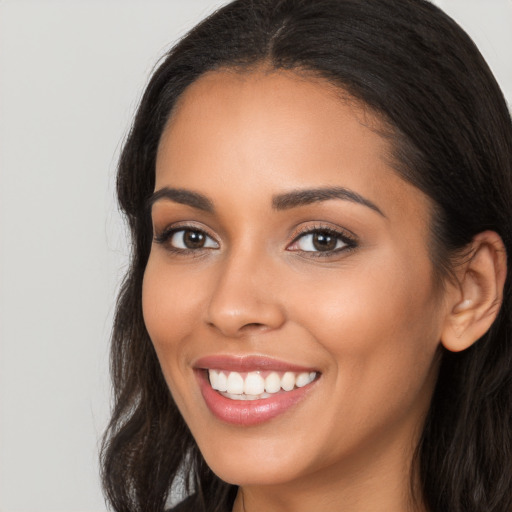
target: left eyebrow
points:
(303, 197)
(182, 196)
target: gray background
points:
(71, 74)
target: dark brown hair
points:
(452, 137)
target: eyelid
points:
(343, 234)
(162, 236)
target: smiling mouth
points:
(250, 390)
(257, 385)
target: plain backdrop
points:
(71, 74)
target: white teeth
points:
(272, 383)
(254, 384)
(235, 384)
(254, 387)
(246, 397)
(214, 379)
(303, 379)
(288, 381)
(222, 382)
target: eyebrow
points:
(286, 201)
(298, 198)
(182, 196)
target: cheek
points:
(380, 328)
(388, 297)
(170, 303)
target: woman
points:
(317, 315)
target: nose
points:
(244, 298)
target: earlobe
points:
(479, 294)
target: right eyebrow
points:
(297, 198)
(182, 196)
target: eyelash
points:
(348, 239)
(165, 236)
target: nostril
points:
(244, 316)
(245, 328)
(254, 326)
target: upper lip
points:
(247, 363)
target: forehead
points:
(296, 98)
(267, 113)
(265, 88)
(264, 131)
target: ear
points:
(476, 300)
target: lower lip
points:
(248, 412)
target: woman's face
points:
(290, 258)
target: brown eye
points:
(191, 239)
(323, 241)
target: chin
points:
(244, 474)
(254, 463)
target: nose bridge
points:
(243, 298)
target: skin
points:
(369, 318)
